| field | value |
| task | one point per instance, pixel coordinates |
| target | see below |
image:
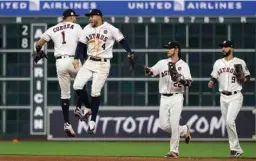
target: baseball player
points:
(97, 39)
(231, 73)
(65, 36)
(174, 76)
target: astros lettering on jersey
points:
(224, 70)
(100, 40)
(166, 85)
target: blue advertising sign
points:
(130, 8)
(143, 124)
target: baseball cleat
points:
(171, 155)
(234, 153)
(82, 114)
(69, 130)
(188, 135)
(91, 127)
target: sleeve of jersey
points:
(117, 34)
(46, 35)
(246, 70)
(82, 38)
(79, 31)
(214, 73)
(187, 74)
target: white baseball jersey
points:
(100, 40)
(166, 85)
(224, 70)
(65, 36)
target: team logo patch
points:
(179, 68)
(105, 31)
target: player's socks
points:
(95, 103)
(79, 102)
(82, 97)
(65, 109)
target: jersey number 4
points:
(104, 46)
(63, 37)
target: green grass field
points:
(150, 149)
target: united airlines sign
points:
(130, 8)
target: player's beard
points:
(170, 55)
(226, 54)
(93, 24)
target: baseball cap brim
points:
(88, 14)
(170, 46)
(166, 46)
(220, 45)
(225, 45)
(91, 14)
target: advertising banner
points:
(143, 124)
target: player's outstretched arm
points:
(80, 50)
(148, 71)
(40, 44)
(131, 55)
(39, 53)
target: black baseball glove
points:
(239, 73)
(173, 72)
(39, 55)
(131, 61)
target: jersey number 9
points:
(233, 79)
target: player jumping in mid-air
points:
(65, 36)
(174, 75)
(97, 39)
(231, 73)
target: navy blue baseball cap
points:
(94, 12)
(173, 44)
(69, 12)
(226, 43)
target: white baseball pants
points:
(65, 71)
(230, 107)
(98, 71)
(169, 118)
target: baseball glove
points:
(173, 72)
(239, 73)
(131, 60)
(39, 55)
